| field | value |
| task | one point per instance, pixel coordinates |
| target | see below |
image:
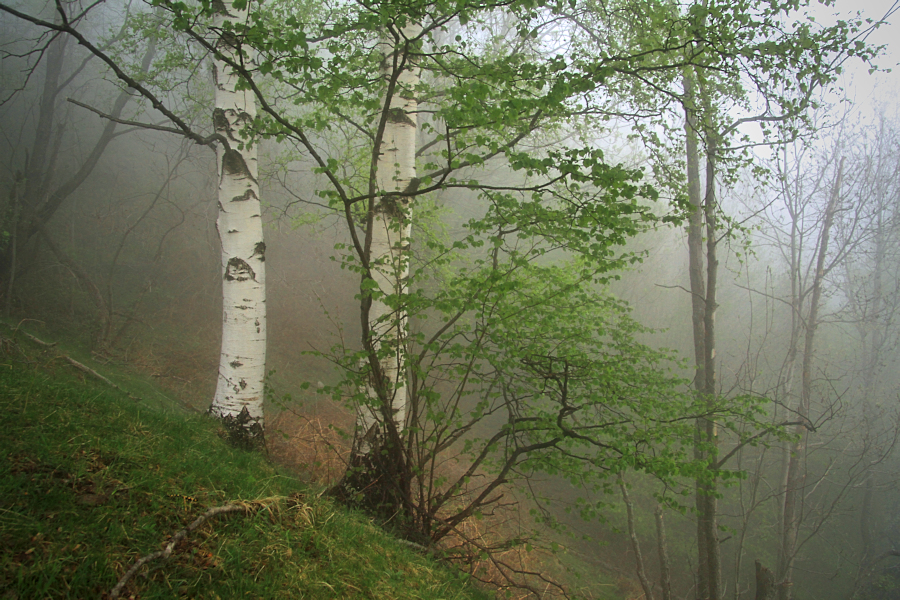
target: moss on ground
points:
(90, 481)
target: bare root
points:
(234, 507)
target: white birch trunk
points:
(391, 228)
(242, 363)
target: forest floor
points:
(99, 490)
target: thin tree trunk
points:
(635, 543)
(388, 242)
(698, 298)
(36, 174)
(13, 244)
(703, 314)
(242, 365)
(38, 203)
(786, 379)
(791, 513)
(662, 545)
(709, 521)
(102, 328)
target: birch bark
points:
(390, 225)
(242, 364)
(378, 473)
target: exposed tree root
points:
(234, 507)
(80, 366)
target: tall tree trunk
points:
(703, 260)
(12, 249)
(31, 188)
(378, 462)
(242, 364)
(698, 296)
(388, 239)
(709, 521)
(37, 175)
(876, 313)
(785, 385)
(39, 201)
(791, 511)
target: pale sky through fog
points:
(880, 88)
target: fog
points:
(108, 240)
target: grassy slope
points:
(91, 481)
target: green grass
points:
(91, 481)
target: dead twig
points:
(80, 366)
(241, 507)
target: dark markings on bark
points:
(235, 364)
(233, 164)
(238, 270)
(243, 384)
(260, 251)
(245, 118)
(398, 115)
(248, 195)
(257, 325)
(220, 121)
(393, 207)
(232, 231)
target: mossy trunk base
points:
(243, 431)
(378, 482)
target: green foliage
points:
(761, 64)
(517, 359)
(521, 363)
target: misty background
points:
(127, 262)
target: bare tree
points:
(39, 190)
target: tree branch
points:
(207, 141)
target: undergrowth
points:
(91, 481)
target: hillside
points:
(92, 481)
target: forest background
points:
(608, 162)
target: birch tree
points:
(389, 224)
(239, 395)
(506, 328)
(486, 103)
(242, 362)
